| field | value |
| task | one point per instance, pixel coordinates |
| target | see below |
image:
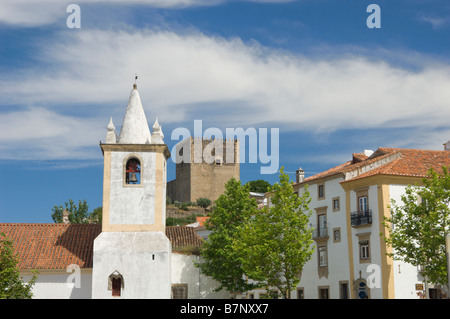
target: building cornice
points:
(159, 148)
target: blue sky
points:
(311, 68)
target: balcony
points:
(361, 218)
(320, 233)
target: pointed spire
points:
(111, 136)
(111, 127)
(134, 127)
(157, 135)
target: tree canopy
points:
(419, 224)
(11, 285)
(219, 259)
(78, 214)
(259, 186)
(275, 244)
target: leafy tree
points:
(275, 244)
(418, 226)
(78, 214)
(203, 202)
(220, 261)
(96, 215)
(259, 186)
(11, 285)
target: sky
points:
(312, 70)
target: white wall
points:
(133, 204)
(62, 285)
(406, 276)
(142, 258)
(338, 262)
(199, 286)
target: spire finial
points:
(135, 79)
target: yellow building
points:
(349, 203)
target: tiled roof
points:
(391, 161)
(52, 246)
(56, 246)
(412, 162)
(183, 237)
(329, 172)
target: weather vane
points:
(135, 80)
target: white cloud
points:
(32, 13)
(435, 21)
(225, 82)
(38, 133)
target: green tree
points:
(259, 186)
(78, 214)
(275, 244)
(11, 285)
(418, 226)
(203, 202)
(96, 215)
(219, 260)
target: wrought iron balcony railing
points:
(320, 232)
(360, 218)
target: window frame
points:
(321, 189)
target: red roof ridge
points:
(56, 246)
(388, 161)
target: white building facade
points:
(349, 203)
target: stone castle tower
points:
(203, 167)
(132, 255)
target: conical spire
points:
(134, 127)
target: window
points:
(300, 293)
(343, 290)
(323, 293)
(115, 284)
(364, 250)
(180, 291)
(336, 204)
(336, 235)
(364, 247)
(322, 223)
(218, 160)
(362, 204)
(133, 171)
(321, 191)
(323, 256)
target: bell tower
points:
(132, 255)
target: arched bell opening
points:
(133, 171)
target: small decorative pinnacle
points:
(111, 136)
(157, 135)
(111, 126)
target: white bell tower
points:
(132, 255)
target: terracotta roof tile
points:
(52, 246)
(181, 236)
(412, 162)
(56, 246)
(395, 161)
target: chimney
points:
(299, 175)
(368, 152)
(447, 146)
(66, 217)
